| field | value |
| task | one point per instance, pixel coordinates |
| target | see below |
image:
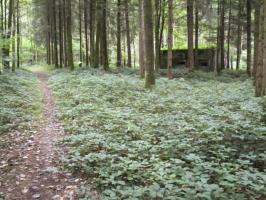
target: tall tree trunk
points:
(98, 33)
(249, 45)
(190, 59)
(69, 35)
(118, 36)
(80, 35)
(149, 47)
(220, 37)
(141, 39)
(260, 91)
(103, 42)
(60, 28)
(48, 42)
(128, 34)
(6, 49)
(18, 34)
(222, 34)
(50, 10)
(162, 24)
(125, 51)
(170, 39)
(5, 15)
(229, 35)
(92, 32)
(55, 36)
(218, 49)
(158, 11)
(256, 38)
(239, 35)
(86, 32)
(14, 42)
(65, 34)
(1, 30)
(263, 90)
(196, 34)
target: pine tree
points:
(149, 46)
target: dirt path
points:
(29, 170)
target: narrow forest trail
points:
(33, 173)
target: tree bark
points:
(14, 42)
(80, 35)
(104, 46)
(218, 49)
(69, 34)
(48, 40)
(86, 32)
(162, 23)
(1, 30)
(239, 35)
(61, 58)
(256, 38)
(170, 39)
(141, 39)
(222, 38)
(6, 49)
(92, 33)
(190, 59)
(158, 11)
(149, 46)
(118, 36)
(263, 90)
(98, 34)
(249, 40)
(128, 34)
(259, 72)
(55, 36)
(65, 34)
(196, 34)
(18, 34)
(229, 35)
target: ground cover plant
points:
(188, 138)
(133, 99)
(20, 100)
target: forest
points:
(133, 99)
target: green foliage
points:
(39, 68)
(19, 100)
(187, 139)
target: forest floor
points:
(195, 137)
(29, 169)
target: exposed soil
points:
(28, 168)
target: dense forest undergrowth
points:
(20, 99)
(195, 137)
(202, 137)
(124, 108)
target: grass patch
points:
(196, 137)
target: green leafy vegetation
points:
(39, 68)
(20, 101)
(195, 137)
